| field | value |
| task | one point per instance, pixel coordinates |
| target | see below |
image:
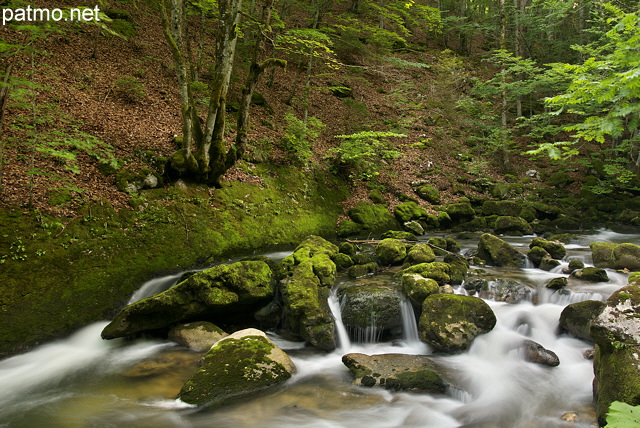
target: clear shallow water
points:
(83, 381)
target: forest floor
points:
(411, 92)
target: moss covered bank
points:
(57, 274)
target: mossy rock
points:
(547, 263)
(399, 234)
(507, 290)
(235, 367)
(429, 194)
(376, 197)
(348, 228)
(343, 261)
(59, 197)
(438, 271)
(365, 306)
(420, 253)
(559, 179)
(515, 226)
(391, 252)
(616, 256)
(545, 211)
(461, 212)
(444, 220)
(219, 290)
(198, 336)
(555, 249)
(528, 213)
(408, 211)
(591, 274)
(348, 248)
(495, 251)
(439, 245)
(458, 268)
(399, 372)
(449, 323)
(452, 245)
(501, 208)
(417, 288)
(556, 283)
(576, 318)
(537, 254)
(373, 218)
(414, 227)
(311, 247)
(358, 271)
(124, 27)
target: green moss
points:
(391, 252)
(347, 228)
(438, 271)
(89, 266)
(429, 194)
(374, 218)
(408, 211)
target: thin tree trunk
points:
(4, 97)
(503, 45)
(34, 141)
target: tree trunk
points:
(503, 45)
(4, 97)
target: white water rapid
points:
(83, 381)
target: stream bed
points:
(84, 381)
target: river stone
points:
(238, 365)
(417, 288)
(538, 354)
(616, 332)
(416, 373)
(450, 322)
(399, 234)
(573, 266)
(475, 285)
(348, 248)
(556, 283)
(536, 254)
(576, 318)
(420, 253)
(358, 271)
(501, 208)
(516, 226)
(373, 218)
(198, 336)
(616, 256)
(343, 261)
(461, 212)
(366, 306)
(391, 252)
(554, 248)
(507, 290)
(591, 274)
(439, 271)
(220, 290)
(439, 245)
(458, 268)
(408, 211)
(414, 227)
(547, 263)
(495, 251)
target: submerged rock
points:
(371, 306)
(538, 354)
(197, 336)
(220, 290)
(450, 323)
(238, 365)
(395, 371)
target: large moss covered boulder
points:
(391, 251)
(373, 218)
(438, 271)
(591, 274)
(416, 373)
(408, 211)
(616, 331)
(576, 318)
(365, 307)
(494, 251)
(304, 292)
(429, 193)
(555, 248)
(420, 253)
(616, 256)
(236, 366)
(450, 322)
(516, 226)
(223, 289)
(501, 208)
(461, 212)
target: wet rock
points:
(536, 254)
(222, 289)
(438, 245)
(591, 274)
(399, 234)
(538, 354)
(416, 373)
(573, 266)
(461, 212)
(570, 417)
(555, 248)
(366, 306)
(198, 336)
(269, 316)
(417, 288)
(391, 252)
(496, 252)
(515, 226)
(475, 285)
(507, 290)
(358, 271)
(236, 366)
(458, 268)
(420, 253)
(343, 261)
(616, 332)
(439, 271)
(548, 264)
(348, 248)
(616, 256)
(414, 227)
(576, 318)
(556, 283)
(450, 323)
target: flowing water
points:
(83, 381)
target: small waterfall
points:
(154, 286)
(344, 342)
(409, 324)
(370, 334)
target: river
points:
(84, 381)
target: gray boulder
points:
(616, 256)
(538, 354)
(506, 290)
(367, 306)
(198, 336)
(576, 318)
(416, 373)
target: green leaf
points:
(622, 415)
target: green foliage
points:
(359, 155)
(299, 135)
(130, 89)
(622, 415)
